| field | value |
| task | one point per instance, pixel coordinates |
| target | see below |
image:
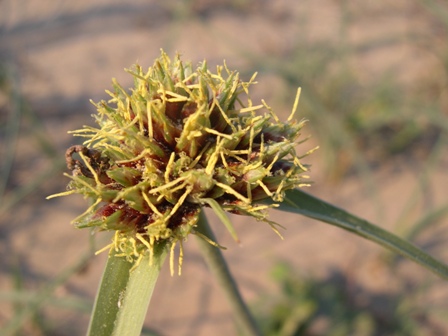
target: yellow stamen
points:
(296, 104)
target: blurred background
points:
(374, 78)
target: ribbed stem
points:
(123, 297)
(220, 270)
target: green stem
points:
(123, 297)
(220, 270)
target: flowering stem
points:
(219, 268)
(124, 295)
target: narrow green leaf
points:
(299, 202)
(222, 216)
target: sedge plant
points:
(182, 139)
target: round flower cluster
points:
(179, 140)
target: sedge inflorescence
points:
(181, 139)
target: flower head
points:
(179, 140)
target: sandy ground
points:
(63, 53)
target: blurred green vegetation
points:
(335, 305)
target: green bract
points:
(179, 140)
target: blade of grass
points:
(12, 131)
(430, 219)
(222, 216)
(299, 202)
(432, 162)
